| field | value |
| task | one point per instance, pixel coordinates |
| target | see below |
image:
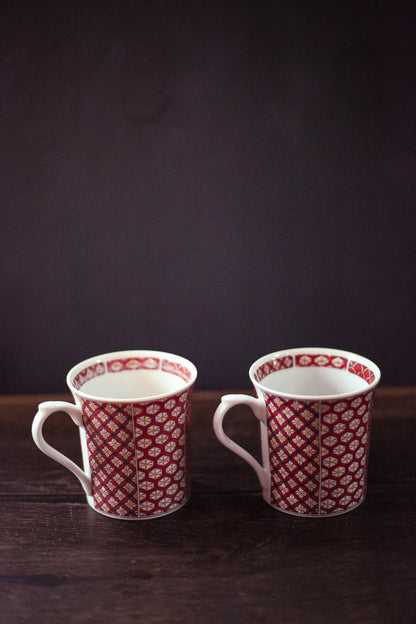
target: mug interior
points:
(131, 376)
(314, 373)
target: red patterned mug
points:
(133, 410)
(314, 407)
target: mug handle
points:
(44, 411)
(257, 405)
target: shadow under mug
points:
(314, 408)
(133, 410)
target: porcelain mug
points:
(314, 407)
(133, 410)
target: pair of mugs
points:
(133, 411)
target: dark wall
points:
(216, 179)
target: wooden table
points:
(226, 556)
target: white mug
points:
(314, 408)
(133, 410)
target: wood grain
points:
(226, 556)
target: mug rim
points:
(130, 353)
(326, 351)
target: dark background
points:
(215, 179)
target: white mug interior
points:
(314, 373)
(131, 376)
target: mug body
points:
(136, 410)
(318, 408)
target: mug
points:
(133, 410)
(314, 407)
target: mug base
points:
(315, 515)
(137, 518)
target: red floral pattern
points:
(293, 431)
(318, 453)
(111, 451)
(139, 455)
(162, 430)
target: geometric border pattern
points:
(272, 366)
(119, 365)
(321, 360)
(318, 453)
(94, 370)
(314, 359)
(123, 364)
(362, 371)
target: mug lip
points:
(328, 351)
(130, 353)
